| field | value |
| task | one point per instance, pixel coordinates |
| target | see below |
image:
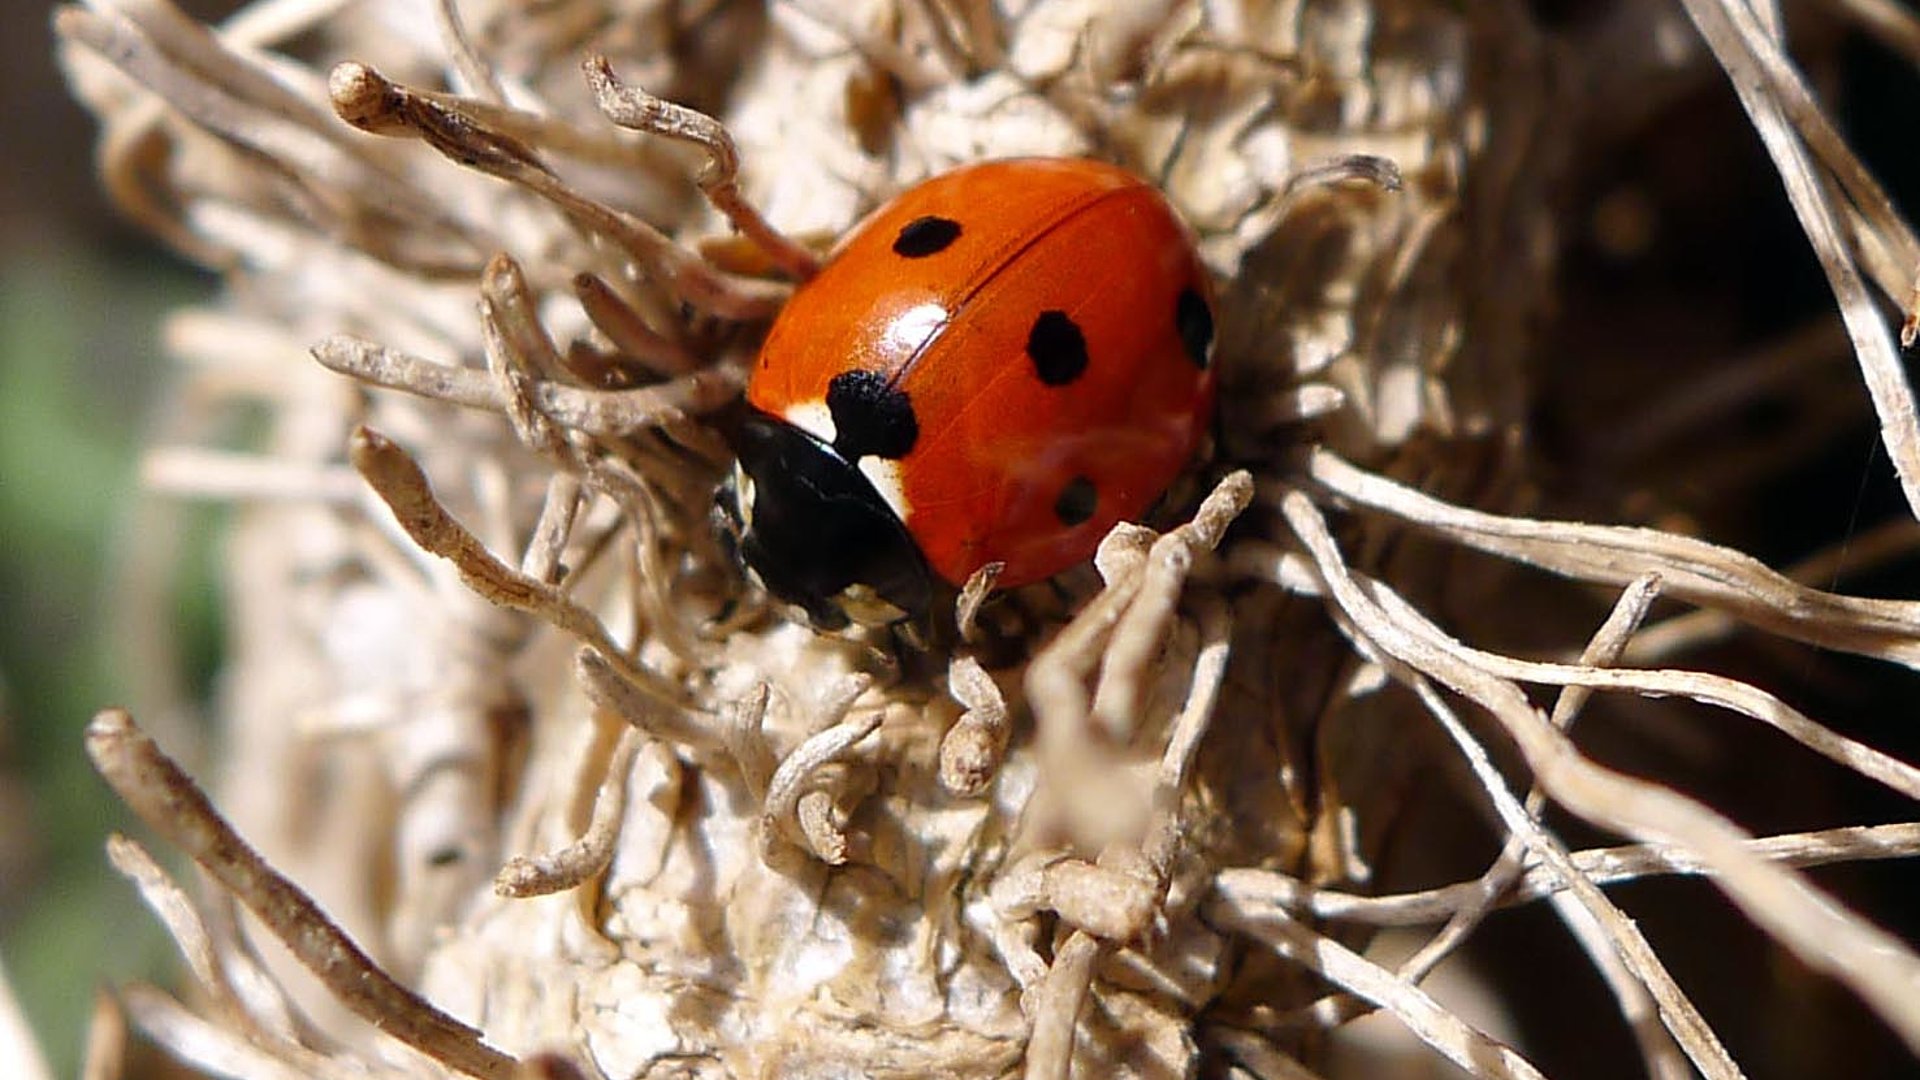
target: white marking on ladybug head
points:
(885, 477)
(814, 418)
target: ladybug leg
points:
(638, 110)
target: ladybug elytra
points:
(997, 366)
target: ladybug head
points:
(804, 522)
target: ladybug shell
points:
(1015, 354)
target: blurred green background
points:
(81, 299)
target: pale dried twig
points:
(1057, 1002)
(567, 867)
(1876, 965)
(1689, 569)
(1456, 1040)
(105, 1057)
(593, 412)
(155, 788)
(971, 751)
(19, 1051)
(177, 913)
(1792, 127)
(631, 107)
(788, 785)
(608, 687)
(365, 99)
(1602, 866)
(397, 479)
(1661, 1056)
(1601, 928)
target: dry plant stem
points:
(1730, 694)
(1453, 1038)
(397, 479)
(1141, 630)
(1748, 40)
(1886, 543)
(1183, 742)
(1608, 936)
(105, 1054)
(1888, 21)
(1772, 92)
(1057, 1002)
(1691, 570)
(232, 97)
(474, 71)
(1875, 964)
(747, 740)
(1352, 168)
(971, 751)
(789, 782)
(1486, 891)
(512, 309)
(125, 159)
(19, 1052)
(556, 871)
(519, 357)
(651, 587)
(628, 330)
(201, 49)
(1086, 896)
(155, 788)
(176, 912)
(1603, 930)
(208, 1048)
(719, 180)
(966, 609)
(1659, 1052)
(365, 99)
(1055, 679)
(558, 512)
(609, 413)
(1602, 866)
(608, 688)
(1256, 1057)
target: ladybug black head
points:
(804, 521)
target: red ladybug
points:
(997, 366)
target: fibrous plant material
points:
(537, 785)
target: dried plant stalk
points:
(594, 807)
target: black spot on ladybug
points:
(1076, 502)
(1195, 322)
(924, 236)
(870, 416)
(1057, 348)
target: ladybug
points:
(997, 366)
